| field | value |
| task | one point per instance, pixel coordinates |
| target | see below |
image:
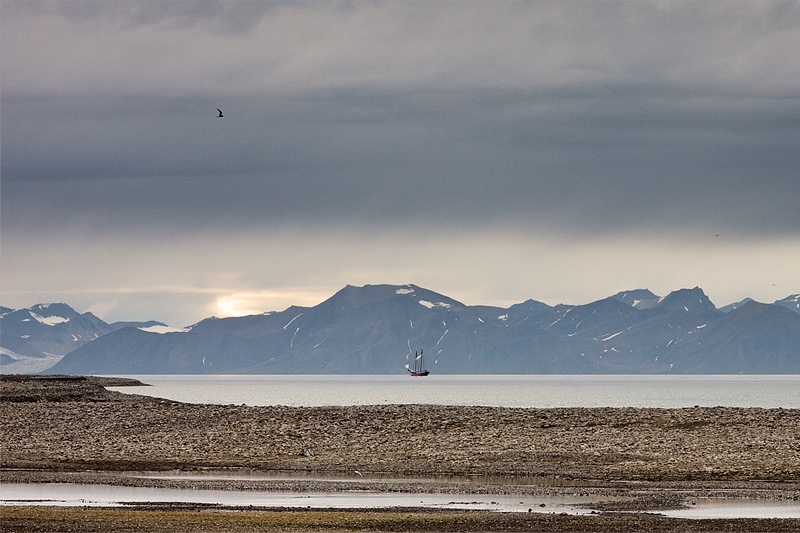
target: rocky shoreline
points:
(71, 429)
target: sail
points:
(419, 365)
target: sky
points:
(492, 151)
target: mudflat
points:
(66, 428)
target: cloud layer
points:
(370, 130)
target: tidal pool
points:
(721, 508)
(76, 494)
(98, 495)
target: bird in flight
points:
(220, 113)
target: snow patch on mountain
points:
(292, 320)
(431, 305)
(14, 363)
(611, 336)
(49, 320)
(161, 330)
(10, 354)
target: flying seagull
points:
(220, 113)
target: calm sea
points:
(485, 390)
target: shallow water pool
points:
(75, 494)
(97, 495)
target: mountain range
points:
(377, 329)
(35, 338)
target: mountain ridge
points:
(375, 329)
(35, 338)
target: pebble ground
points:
(67, 428)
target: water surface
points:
(97, 495)
(670, 391)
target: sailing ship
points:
(419, 365)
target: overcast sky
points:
(490, 151)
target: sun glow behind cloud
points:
(236, 304)
(494, 266)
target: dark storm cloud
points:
(229, 18)
(608, 157)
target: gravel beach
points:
(58, 428)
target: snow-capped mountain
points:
(376, 329)
(35, 338)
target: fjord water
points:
(671, 391)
